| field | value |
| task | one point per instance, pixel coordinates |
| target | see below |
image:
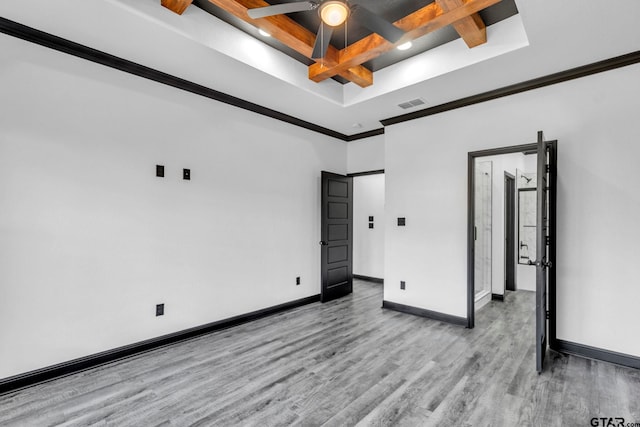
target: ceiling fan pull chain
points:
(345, 33)
(322, 43)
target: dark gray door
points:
(337, 236)
(509, 232)
(545, 243)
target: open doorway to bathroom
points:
(536, 228)
(503, 223)
(498, 180)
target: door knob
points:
(544, 263)
(323, 243)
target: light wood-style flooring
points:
(347, 362)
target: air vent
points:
(411, 104)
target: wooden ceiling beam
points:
(295, 36)
(471, 28)
(423, 21)
(177, 6)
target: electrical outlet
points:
(402, 285)
(370, 225)
(160, 171)
(297, 281)
(186, 174)
(159, 309)
(370, 219)
(402, 222)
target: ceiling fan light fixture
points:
(334, 13)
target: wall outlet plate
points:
(370, 225)
(402, 285)
(297, 281)
(186, 174)
(370, 219)
(160, 171)
(402, 222)
(159, 309)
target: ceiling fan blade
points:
(322, 41)
(278, 9)
(376, 24)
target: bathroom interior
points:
(491, 176)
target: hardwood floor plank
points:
(343, 363)
(395, 404)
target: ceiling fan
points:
(333, 13)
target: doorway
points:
(352, 231)
(368, 225)
(544, 214)
(495, 271)
(498, 256)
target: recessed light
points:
(264, 33)
(404, 46)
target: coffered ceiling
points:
(398, 11)
(201, 46)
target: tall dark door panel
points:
(337, 236)
(545, 245)
(509, 233)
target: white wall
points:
(364, 155)
(91, 240)
(594, 120)
(526, 277)
(368, 243)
